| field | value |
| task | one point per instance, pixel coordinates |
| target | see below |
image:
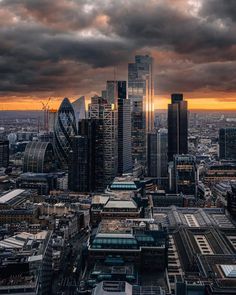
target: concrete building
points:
(26, 264)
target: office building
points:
(64, 130)
(157, 163)
(220, 172)
(4, 153)
(39, 157)
(227, 143)
(124, 136)
(101, 110)
(185, 174)
(177, 126)
(140, 93)
(130, 241)
(79, 109)
(114, 90)
(78, 173)
(42, 182)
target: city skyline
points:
(70, 48)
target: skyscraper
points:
(115, 89)
(4, 153)
(64, 130)
(86, 158)
(185, 174)
(100, 109)
(227, 143)
(79, 109)
(125, 164)
(177, 126)
(140, 93)
(78, 172)
(157, 162)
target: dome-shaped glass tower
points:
(64, 130)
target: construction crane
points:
(45, 108)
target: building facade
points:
(4, 153)
(101, 110)
(124, 136)
(39, 157)
(64, 130)
(177, 126)
(185, 174)
(140, 93)
(79, 109)
(157, 154)
(227, 143)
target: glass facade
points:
(39, 157)
(227, 143)
(177, 126)
(140, 93)
(185, 174)
(64, 130)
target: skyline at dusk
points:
(70, 48)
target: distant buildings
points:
(177, 126)
(4, 153)
(64, 130)
(140, 93)
(227, 143)
(39, 157)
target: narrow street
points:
(68, 279)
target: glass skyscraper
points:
(227, 143)
(140, 93)
(101, 110)
(79, 109)
(64, 130)
(177, 126)
(157, 162)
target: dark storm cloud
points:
(51, 46)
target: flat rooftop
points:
(10, 195)
(120, 204)
(114, 226)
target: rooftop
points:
(10, 195)
(122, 204)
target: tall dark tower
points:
(177, 126)
(4, 153)
(227, 143)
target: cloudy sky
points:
(61, 48)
